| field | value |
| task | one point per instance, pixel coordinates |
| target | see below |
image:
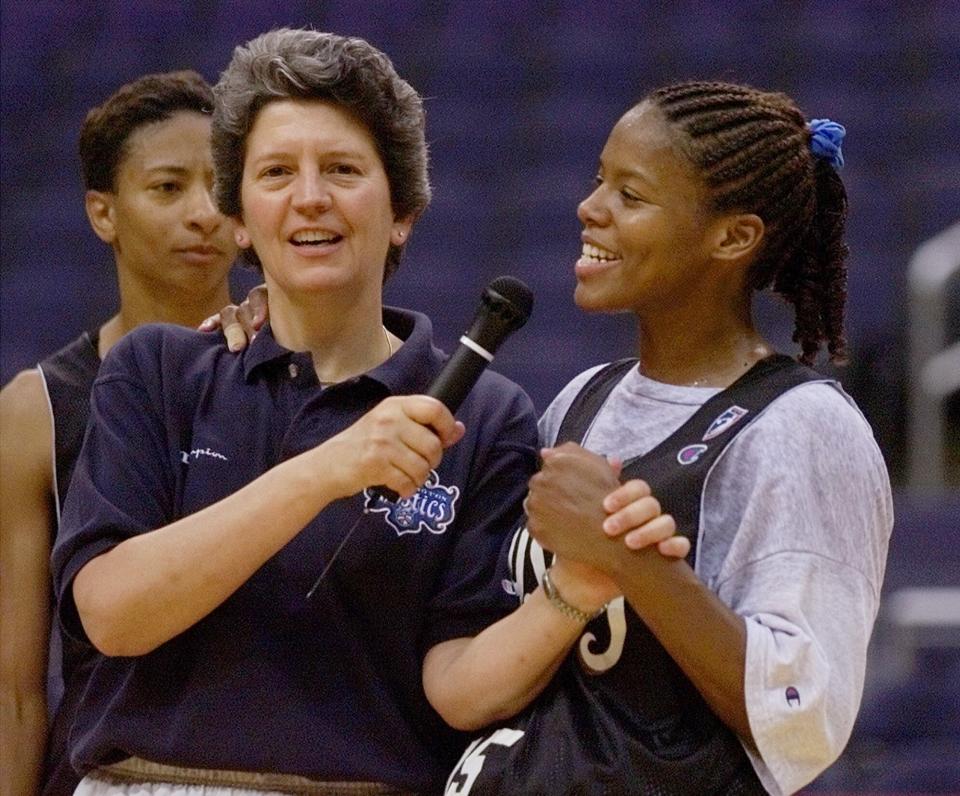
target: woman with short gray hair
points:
(214, 488)
(349, 72)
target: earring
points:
(400, 235)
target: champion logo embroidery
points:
(691, 453)
(724, 420)
(793, 697)
(196, 453)
(432, 507)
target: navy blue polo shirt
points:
(330, 687)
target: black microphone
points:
(505, 305)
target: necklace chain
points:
(386, 336)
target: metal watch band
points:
(550, 589)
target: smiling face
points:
(316, 200)
(160, 217)
(647, 230)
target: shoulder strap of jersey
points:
(717, 422)
(588, 401)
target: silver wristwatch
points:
(550, 589)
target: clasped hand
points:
(578, 509)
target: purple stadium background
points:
(520, 96)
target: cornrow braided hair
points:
(752, 149)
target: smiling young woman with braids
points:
(739, 669)
(751, 149)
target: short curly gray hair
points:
(307, 64)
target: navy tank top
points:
(68, 377)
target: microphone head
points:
(506, 304)
(518, 296)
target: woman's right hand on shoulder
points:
(396, 444)
(240, 324)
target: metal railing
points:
(934, 364)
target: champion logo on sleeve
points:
(690, 453)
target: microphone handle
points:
(457, 377)
(450, 387)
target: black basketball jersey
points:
(68, 377)
(620, 717)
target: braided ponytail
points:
(753, 150)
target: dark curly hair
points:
(752, 149)
(149, 99)
(307, 64)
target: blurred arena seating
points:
(519, 99)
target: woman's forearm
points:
(472, 682)
(671, 599)
(152, 587)
(23, 739)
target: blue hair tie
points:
(825, 140)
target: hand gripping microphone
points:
(505, 305)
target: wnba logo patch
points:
(431, 508)
(723, 421)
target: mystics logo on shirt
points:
(431, 508)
